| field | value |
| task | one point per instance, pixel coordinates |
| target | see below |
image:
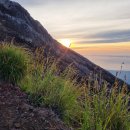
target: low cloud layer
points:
(114, 36)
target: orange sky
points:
(105, 49)
(108, 56)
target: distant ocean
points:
(113, 64)
(124, 75)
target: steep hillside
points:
(17, 24)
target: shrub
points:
(13, 63)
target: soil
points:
(17, 113)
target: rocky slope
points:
(17, 24)
(16, 113)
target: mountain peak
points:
(21, 25)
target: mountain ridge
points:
(17, 24)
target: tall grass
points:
(13, 63)
(52, 90)
(87, 108)
(106, 110)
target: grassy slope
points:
(88, 107)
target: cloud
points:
(112, 36)
(31, 2)
(82, 36)
(85, 21)
(43, 2)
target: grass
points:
(54, 92)
(83, 108)
(13, 63)
(51, 90)
(106, 111)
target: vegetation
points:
(83, 108)
(104, 110)
(53, 92)
(13, 63)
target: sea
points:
(117, 65)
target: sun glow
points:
(65, 42)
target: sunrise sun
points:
(65, 42)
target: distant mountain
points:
(124, 75)
(17, 24)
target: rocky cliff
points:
(17, 24)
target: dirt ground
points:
(16, 113)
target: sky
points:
(98, 29)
